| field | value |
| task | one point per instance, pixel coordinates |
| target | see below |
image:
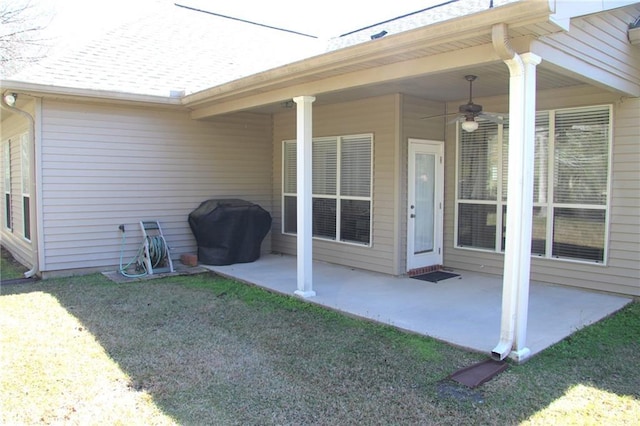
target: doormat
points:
(436, 276)
(477, 374)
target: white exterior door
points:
(425, 199)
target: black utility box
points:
(229, 231)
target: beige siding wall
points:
(621, 274)
(379, 116)
(597, 46)
(13, 127)
(106, 165)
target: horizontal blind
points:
(25, 165)
(6, 165)
(478, 163)
(581, 156)
(290, 167)
(541, 162)
(505, 159)
(355, 166)
(579, 234)
(325, 165)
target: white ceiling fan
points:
(470, 113)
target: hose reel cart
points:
(153, 255)
(156, 250)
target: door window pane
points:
(424, 199)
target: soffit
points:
(453, 39)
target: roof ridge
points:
(195, 9)
(399, 17)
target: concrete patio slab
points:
(464, 311)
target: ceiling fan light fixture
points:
(469, 125)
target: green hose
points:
(157, 250)
(157, 253)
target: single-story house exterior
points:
(353, 150)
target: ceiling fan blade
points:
(429, 117)
(493, 117)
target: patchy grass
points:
(206, 350)
(9, 267)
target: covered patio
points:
(463, 311)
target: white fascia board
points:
(44, 90)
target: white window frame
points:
(338, 197)
(550, 204)
(7, 207)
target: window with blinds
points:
(6, 166)
(25, 184)
(341, 185)
(570, 187)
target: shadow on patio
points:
(464, 311)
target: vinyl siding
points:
(621, 274)
(13, 126)
(107, 165)
(597, 47)
(380, 117)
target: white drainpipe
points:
(517, 261)
(35, 270)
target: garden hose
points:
(157, 253)
(157, 250)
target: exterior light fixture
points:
(634, 32)
(10, 99)
(470, 125)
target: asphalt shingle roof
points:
(175, 48)
(172, 48)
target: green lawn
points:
(206, 350)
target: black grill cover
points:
(229, 231)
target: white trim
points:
(437, 148)
(59, 92)
(338, 196)
(36, 185)
(549, 204)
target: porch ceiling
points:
(449, 86)
(428, 62)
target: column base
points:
(520, 356)
(305, 294)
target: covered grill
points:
(229, 231)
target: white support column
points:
(525, 200)
(304, 197)
(517, 257)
